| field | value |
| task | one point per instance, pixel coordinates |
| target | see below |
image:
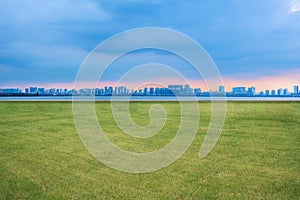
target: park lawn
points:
(256, 157)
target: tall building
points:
(273, 92)
(267, 92)
(296, 89)
(239, 90)
(41, 90)
(156, 91)
(251, 90)
(197, 91)
(221, 89)
(280, 91)
(285, 91)
(145, 91)
(33, 90)
(151, 91)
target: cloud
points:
(294, 6)
(42, 38)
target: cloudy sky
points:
(252, 42)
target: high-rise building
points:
(239, 90)
(280, 91)
(221, 89)
(145, 91)
(267, 92)
(41, 90)
(285, 91)
(151, 91)
(296, 89)
(273, 92)
(197, 91)
(251, 90)
(33, 90)
(156, 91)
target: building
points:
(145, 91)
(33, 90)
(239, 90)
(285, 91)
(41, 90)
(221, 89)
(10, 91)
(280, 91)
(273, 93)
(296, 89)
(251, 90)
(197, 91)
(151, 91)
(267, 92)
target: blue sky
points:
(44, 42)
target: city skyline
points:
(152, 90)
(194, 83)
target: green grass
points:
(256, 157)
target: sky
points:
(253, 43)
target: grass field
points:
(256, 157)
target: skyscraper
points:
(296, 89)
(33, 90)
(273, 92)
(239, 90)
(251, 90)
(280, 91)
(221, 89)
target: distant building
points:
(33, 90)
(296, 89)
(151, 91)
(273, 93)
(221, 89)
(26, 90)
(10, 91)
(285, 91)
(280, 91)
(145, 91)
(267, 92)
(197, 91)
(239, 90)
(188, 90)
(157, 91)
(251, 91)
(52, 91)
(41, 90)
(261, 93)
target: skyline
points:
(221, 89)
(252, 43)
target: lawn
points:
(256, 157)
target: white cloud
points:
(294, 6)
